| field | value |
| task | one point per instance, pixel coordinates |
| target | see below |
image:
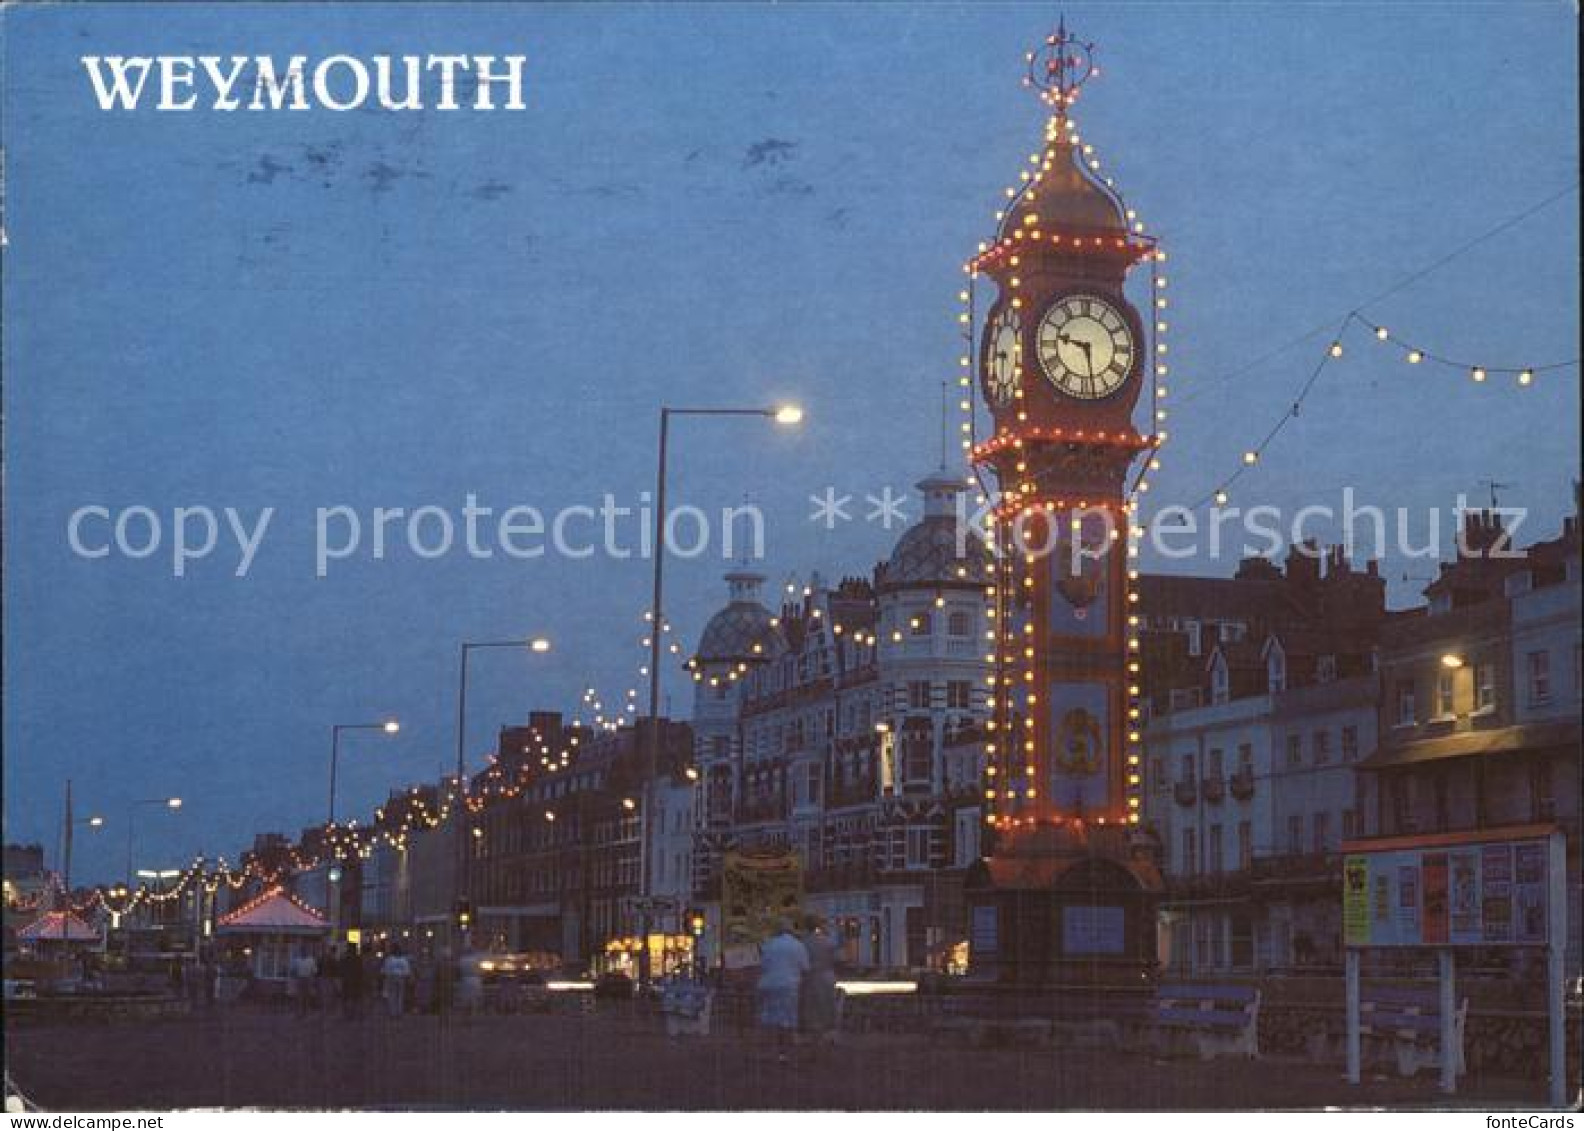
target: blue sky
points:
(726, 204)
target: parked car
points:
(613, 986)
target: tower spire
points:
(1059, 67)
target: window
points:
(1322, 833)
(1539, 678)
(959, 624)
(1326, 669)
(1188, 769)
(1350, 824)
(1245, 845)
(920, 624)
(1215, 770)
(1406, 712)
(1220, 684)
(1446, 689)
(1190, 853)
(918, 756)
(959, 695)
(1350, 750)
(1245, 762)
(918, 848)
(1295, 834)
(1322, 747)
(1294, 750)
(966, 842)
(1158, 774)
(918, 695)
(1276, 670)
(1485, 687)
(1213, 850)
(1194, 643)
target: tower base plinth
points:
(1064, 904)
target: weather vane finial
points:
(1061, 65)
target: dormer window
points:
(1276, 668)
(1220, 684)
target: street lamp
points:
(171, 803)
(781, 414)
(536, 644)
(72, 823)
(389, 726)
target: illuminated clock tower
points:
(1066, 895)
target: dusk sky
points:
(709, 205)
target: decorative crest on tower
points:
(1061, 65)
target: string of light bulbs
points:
(1410, 353)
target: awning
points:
(273, 913)
(57, 926)
(1468, 744)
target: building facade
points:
(844, 730)
(1261, 702)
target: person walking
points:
(783, 961)
(396, 973)
(351, 976)
(820, 1003)
(303, 973)
(329, 976)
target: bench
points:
(686, 1007)
(1214, 1020)
(1406, 1022)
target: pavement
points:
(254, 1057)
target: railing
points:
(1214, 788)
(1242, 784)
(1186, 792)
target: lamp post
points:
(389, 726)
(538, 644)
(72, 823)
(333, 873)
(171, 803)
(784, 414)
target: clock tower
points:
(1066, 894)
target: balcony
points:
(1186, 792)
(1214, 788)
(1242, 784)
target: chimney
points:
(1482, 530)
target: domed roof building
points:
(933, 553)
(743, 631)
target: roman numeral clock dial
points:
(1085, 347)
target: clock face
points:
(1085, 347)
(1004, 360)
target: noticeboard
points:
(1451, 890)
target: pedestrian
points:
(819, 1002)
(470, 983)
(423, 987)
(303, 976)
(783, 960)
(351, 977)
(329, 977)
(396, 973)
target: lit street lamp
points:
(171, 803)
(783, 414)
(536, 644)
(389, 726)
(71, 825)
